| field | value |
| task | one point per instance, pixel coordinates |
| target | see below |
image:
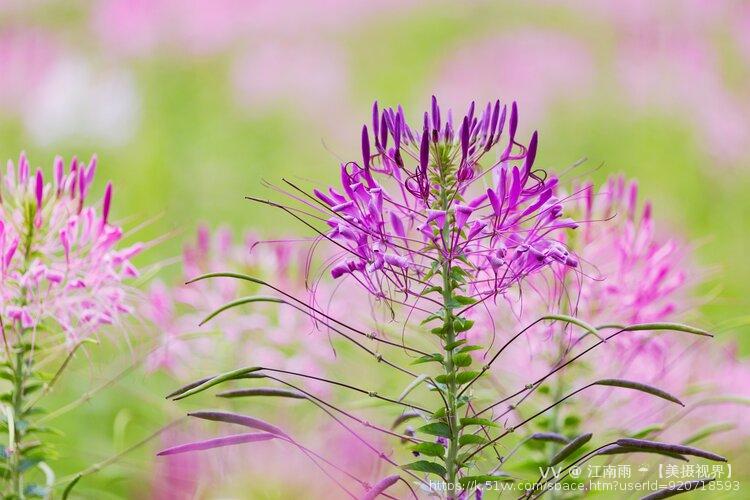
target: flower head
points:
(463, 191)
(178, 311)
(60, 262)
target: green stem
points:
(21, 372)
(449, 332)
(450, 370)
(19, 382)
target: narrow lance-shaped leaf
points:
(412, 385)
(677, 489)
(645, 431)
(189, 386)
(427, 466)
(218, 379)
(220, 442)
(380, 487)
(637, 386)
(643, 444)
(429, 449)
(236, 418)
(262, 391)
(549, 436)
(676, 327)
(570, 448)
(707, 431)
(575, 321)
(226, 275)
(239, 302)
(436, 429)
(615, 449)
(70, 486)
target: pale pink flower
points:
(60, 260)
(257, 334)
(540, 69)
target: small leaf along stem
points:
(21, 369)
(449, 333)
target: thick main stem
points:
(19, 376)
(450, 370)
(21, 372)
(449, 334)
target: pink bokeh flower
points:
(539, 68)
(262, 335)
(60, 258)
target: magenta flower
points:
(439, 221)
(60, 261)
(393, 224)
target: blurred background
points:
(190, 104)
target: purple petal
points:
(220, 442)
(236, 418)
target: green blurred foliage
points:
(196, 154)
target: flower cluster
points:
(434, 193)
(178, 311)
(60, 262)
(642, 276)
(431, 216)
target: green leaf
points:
(429, 449)
(549, 436)
(463, 300)
(466, 377)
(469, 348)
(467, 439)
(412, 385)
(439, 413)
(231, 375)
(453, 345)
(709, 430)
(641, 444)
(428, 358)
(70, 486)
(469, 482)
(465, 422)
(239, 302)
(570, 448)
(433, 317)
(462, 325)
(426, 466)
(463, 360)
(649, 429)
(575, 321)
(637, 386)
(436, 429)
(677, 327)
(262, 391)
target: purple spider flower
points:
(497, 215)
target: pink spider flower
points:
(60, 258)
(178, 311)
(390, 222)
(642, 274)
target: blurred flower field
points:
(188, 107)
